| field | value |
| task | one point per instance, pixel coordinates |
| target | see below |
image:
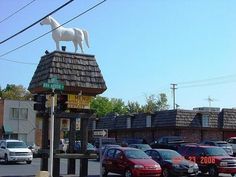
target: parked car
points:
(104, 148)
(129, 162)
(63, 146)
(225, 145)
(172, 163)
(143, 147)
(90, 148)
(127, 141)
(15, 151)
(104, 142)
(35, 149)
(168, 142)
(232, 142)
(211, 159)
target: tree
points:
(156, 103)
(104, 106)
(133, 107)
(16, 92)
(118, 106)
(101, 105)
(162, 102)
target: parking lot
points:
(23, 169)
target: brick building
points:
(192, 125)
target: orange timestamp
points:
(203, 159)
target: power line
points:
(208, 84)
(36, 22)
(20, 62)
(6, 53)
(207, 80)
(16, 11)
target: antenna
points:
(210, 100)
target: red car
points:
(211, 159)
(129, 162)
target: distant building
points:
(193, 125)
(207, 109)
(17, 120)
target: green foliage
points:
(155, 103)
(104, 106)
(15, 92)
(133, 107)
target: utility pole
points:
(173, 92)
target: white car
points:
(232, 142)
(15, 151)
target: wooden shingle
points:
(78, 72)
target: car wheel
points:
(6, 159)
(104, 171)
(213, 171)
(165, 172)
(128, 173)
(28, 162)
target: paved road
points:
(24, 170)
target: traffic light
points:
(40, 100)
(61, 102)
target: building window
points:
(14, 113)
(129, 122)
(19, 113)
(149, 121)
(24, 113)
(205, 121)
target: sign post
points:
(100, 133)
(54, 85)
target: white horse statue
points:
(75, 35)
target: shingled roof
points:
(78, 72)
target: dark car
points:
(129, 162)
(90, 147)
(127, 141)
(143, 147)
(168, 142)
(225, 145)
(172, 163)
(211, 159)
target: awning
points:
(7, 129)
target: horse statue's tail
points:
(86, 36)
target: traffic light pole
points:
(52, 133)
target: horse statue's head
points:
(46, 21)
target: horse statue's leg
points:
(76, 46)
(81, 46)
(57, 45)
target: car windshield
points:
(136, 154)
(16, 145)
(214, 151)
(169, 155)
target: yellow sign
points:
(79, 101)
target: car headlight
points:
(12, 153)
(157, 166)
(29, 153)
(223, 164)
(138, 166)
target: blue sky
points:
(141, 46)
